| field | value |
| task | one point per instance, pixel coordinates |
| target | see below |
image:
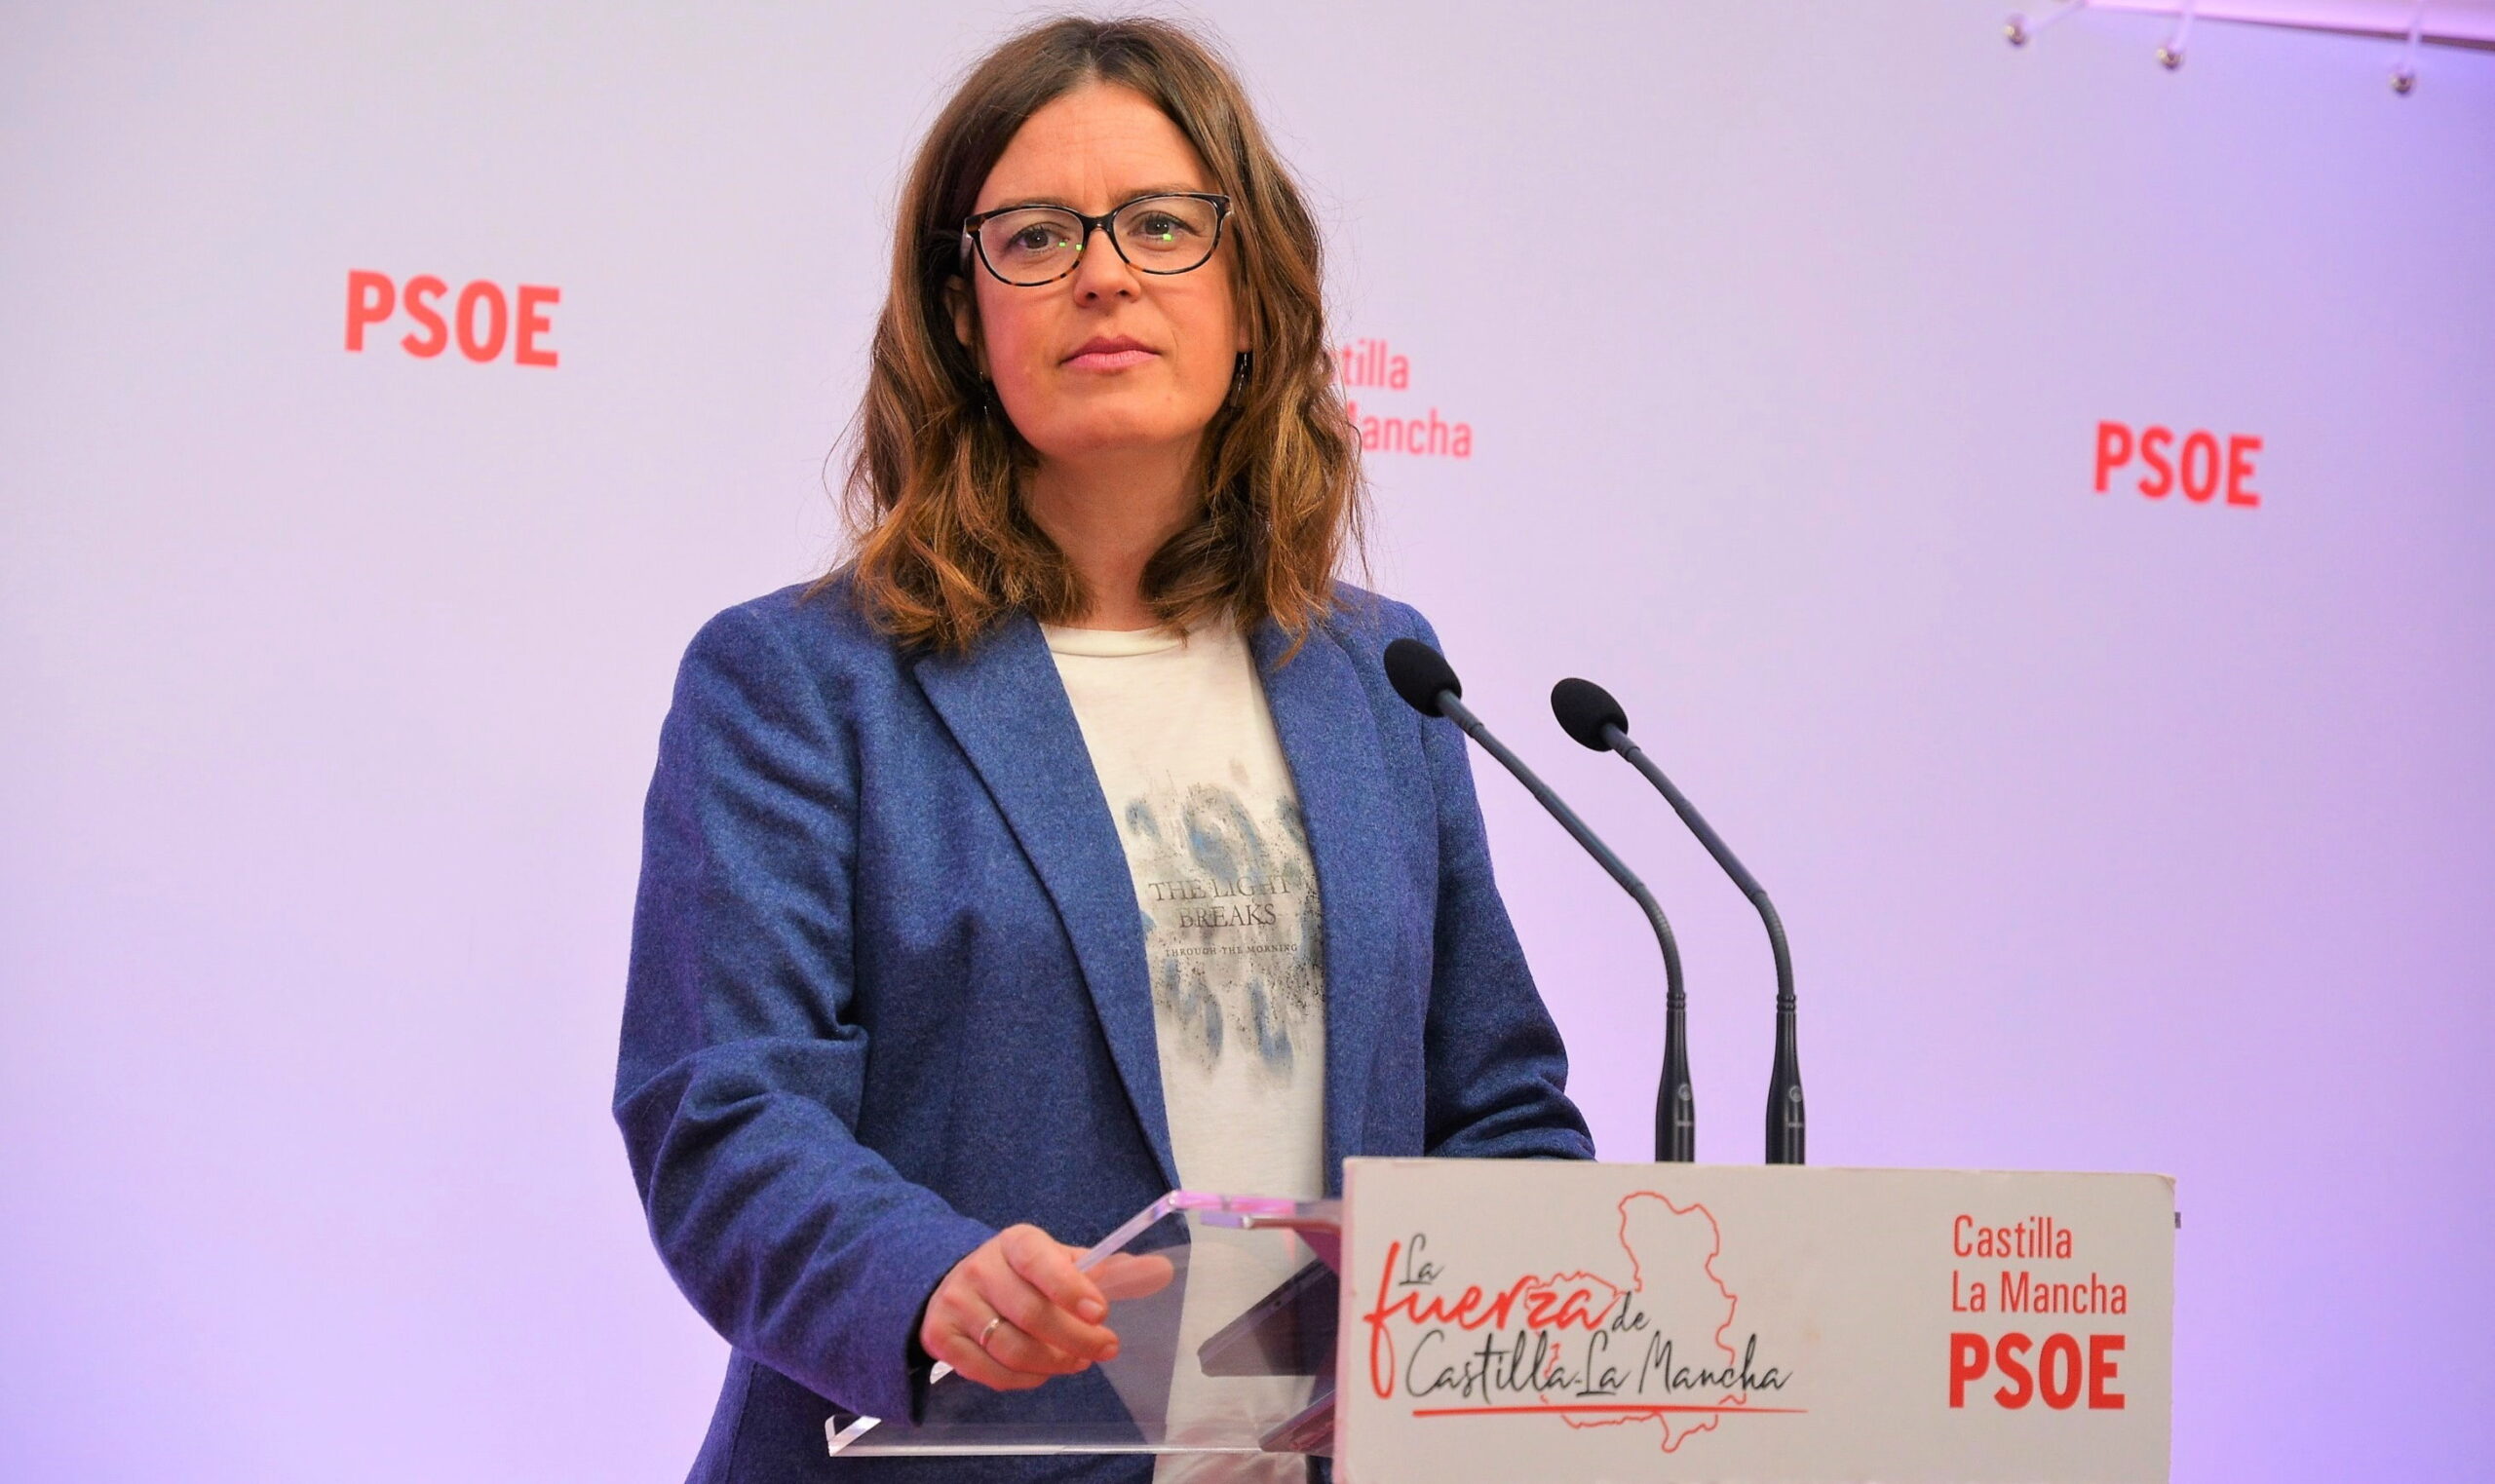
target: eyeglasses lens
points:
(1031, 246)
(1167, 234)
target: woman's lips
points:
(1110, 361)
(1110, 356)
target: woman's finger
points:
(1030, 1311)
(1133, 1275)
(958, 1317)
(1017, 1307)
(1016, 1351)
(1048, 1265)
(964, 1355)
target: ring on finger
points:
(988, 1329)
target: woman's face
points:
(1106, 359)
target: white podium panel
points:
(1520, 1322)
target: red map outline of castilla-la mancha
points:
(1650, 1255)
(1665, 1417)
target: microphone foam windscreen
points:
(1584, 709)
(1420, 674)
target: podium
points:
(1529, 1321)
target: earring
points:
(1238, 380)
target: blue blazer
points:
(888, 990)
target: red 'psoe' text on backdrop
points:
(2196, 466)
(481, 320)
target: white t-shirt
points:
(1186, 754)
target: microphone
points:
(1427, 683)
(1588, 713)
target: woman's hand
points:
(1017, 1312)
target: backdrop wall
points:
(2113, 831)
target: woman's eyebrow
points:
(1063, 205)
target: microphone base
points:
(1675, 1104)
(1787, 1120)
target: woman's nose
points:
(1101, 273)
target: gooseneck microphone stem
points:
(1675, 1108)
(1787, 1124)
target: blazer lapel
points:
(1007, 709)
(1330, 738)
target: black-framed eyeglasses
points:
(1030, 245)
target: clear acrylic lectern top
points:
(1224, 1309)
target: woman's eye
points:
(1161, 225)
(1034, 238)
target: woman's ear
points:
(965, 312)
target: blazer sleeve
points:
(1497, 1072)
(741, 1072)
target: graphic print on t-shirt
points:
(1231, 925)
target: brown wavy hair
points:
(942, 544)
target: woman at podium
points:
(1065, 846)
